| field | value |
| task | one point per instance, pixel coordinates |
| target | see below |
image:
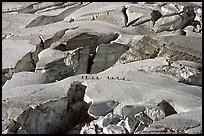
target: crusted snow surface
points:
(102, 68)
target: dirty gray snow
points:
(101, 67)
